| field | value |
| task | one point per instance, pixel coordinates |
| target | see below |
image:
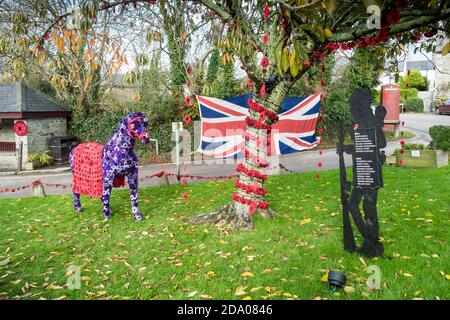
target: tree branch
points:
(398, 28)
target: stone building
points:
(442, 77)
(432, 65)
(43, 117)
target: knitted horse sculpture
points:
(96, 169)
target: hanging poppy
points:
(262, 91)
(393, 16)
(265, 38)
(187, 119)
(266, 11)
(264, 62)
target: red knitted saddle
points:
(87, 177)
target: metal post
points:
(19, 156)
(177, 150)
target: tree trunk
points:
(249, 197)
(255, 158)
(82, 103)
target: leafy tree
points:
(277, 42)
(410, 84)
(413, 79)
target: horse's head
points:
(136, 124)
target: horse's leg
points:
(132, 178)
(76, 196)
(108, 180)
(76, 202)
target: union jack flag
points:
(223, 125)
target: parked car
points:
(443, 108)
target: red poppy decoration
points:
(264, 62)
(266, 11)
(393, 16)
(187, 100)
(189, 69)
(187, 119)
(402, 143)
(20, 128)
(430, 33)
(402, 151)
(262, 91)
(185, 196)
(265, 38)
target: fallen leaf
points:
(240, 291)
(407, 275)
(247, 274)
(349, 289)
(5, 262)
(305, 221)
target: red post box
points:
(390, 99)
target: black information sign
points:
(365, 159)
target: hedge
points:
(441, 137)
(414, 105)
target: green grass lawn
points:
(162, 257)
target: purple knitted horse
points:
(114, 161)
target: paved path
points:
(299, 162)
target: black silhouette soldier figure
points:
(368, 138)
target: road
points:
(299, 162)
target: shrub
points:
(441, 137)
(414, 79)
(40, 159)
(96, 128)
(414, 105)
(408, 93)
(100, 127)
(413, 146)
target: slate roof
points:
(416, 65)
(17, 97)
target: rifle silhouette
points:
(349, 239)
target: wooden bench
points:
(396, 124)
